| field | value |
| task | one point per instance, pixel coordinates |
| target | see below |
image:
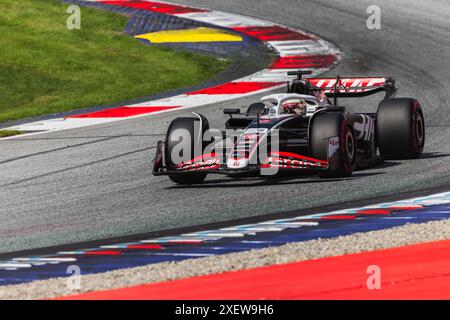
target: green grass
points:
(9, 133)
(46, 68)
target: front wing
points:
(217, 163)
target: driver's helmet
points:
(294, 106)
(321, 96)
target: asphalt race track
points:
(96, 182)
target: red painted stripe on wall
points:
(237, 88)
(387, 210)
(155, 6)
(304, 61)
(145, 246)
(272, 33)
(419, 271)
(338, 217)
(123, 112)
(102, 253)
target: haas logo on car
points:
(364, 128)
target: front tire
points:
(185, 130)
(334, 124)
(400, 129)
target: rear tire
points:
(334, 124)
(190, 133)
(400, 128)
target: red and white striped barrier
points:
(296, 49)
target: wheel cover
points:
(420, 130)
(349, 145)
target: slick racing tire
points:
(334, 124)
(185, 131)
(255, 108)
(400, 129)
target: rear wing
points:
(349, 87)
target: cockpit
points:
(289, 104)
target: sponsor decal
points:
(365, 128)
(349, 85)
(288, 160)
(294, 163)
(333, 146)
(208, 161)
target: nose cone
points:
(243, 150)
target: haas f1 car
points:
(303, 130)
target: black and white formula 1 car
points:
(303, 130)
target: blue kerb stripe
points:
(134, 258)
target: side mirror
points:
(231, 111)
